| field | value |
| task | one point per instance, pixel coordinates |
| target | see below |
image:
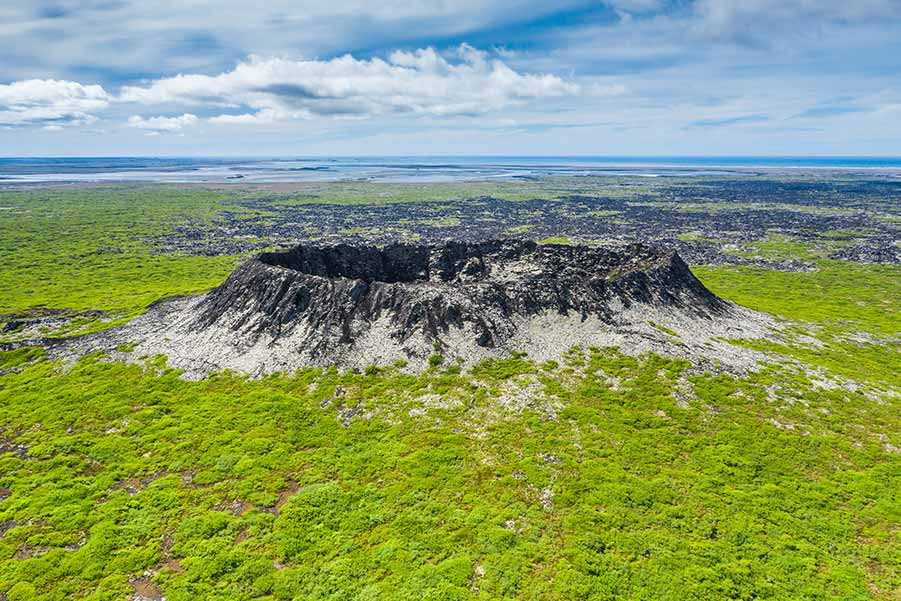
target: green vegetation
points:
(599, 476)
(351, 193)
(323, 485)
(851, 311)
(556, 240)
(850, 295)
(663, 329)
(780, 247)
(90, 249)
(696, 237)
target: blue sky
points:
(349, 77)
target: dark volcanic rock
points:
(336, 293)
(354, 306)
(871, 251)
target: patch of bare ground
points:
(145, 590)
(7, 525)
(234, 506)
(8, 446)
(30, 551)
(173, 565)
(284, 497)
(243, 535)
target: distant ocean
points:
(401, 169)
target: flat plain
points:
(602, 475)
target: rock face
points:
(337, 293)
(355, 306)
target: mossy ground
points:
(847, 314)
(91, 249)
(621, 478)
(600, 476)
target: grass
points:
(851, 295)
(663, 329)
(342, 193)
(564, 240)
(599, 476)
(848, 311)
(236, 489)
(92, 249)
(697, 237)
(780, 247)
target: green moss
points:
(663, 329)
(19, 356)
(236, 488)
(352, 193)
(601, 476)
(556, 240)
(779, 247)
(89, 249)
(850, 312)
(850, 295)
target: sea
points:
(25, 170)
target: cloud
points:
(662, 65)
(635, 6)
(50, 102)
(259, 118)
(820, 112)
(743, 119)
(422, 82)
(123, 41)
(754, 21)
(159, 125)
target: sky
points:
(458, 77)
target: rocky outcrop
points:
(336, 293)
(885, 251)
(354, 306)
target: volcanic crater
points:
(355, 306)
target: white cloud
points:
(753, 19)
(635, 6)
(260, 118)
(50, 102)
(143, 38)
(605, 90)
(157, 125)
(421, 82)
(663, 64)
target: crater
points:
(355, 306)
(395, 263)
(408, 263)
